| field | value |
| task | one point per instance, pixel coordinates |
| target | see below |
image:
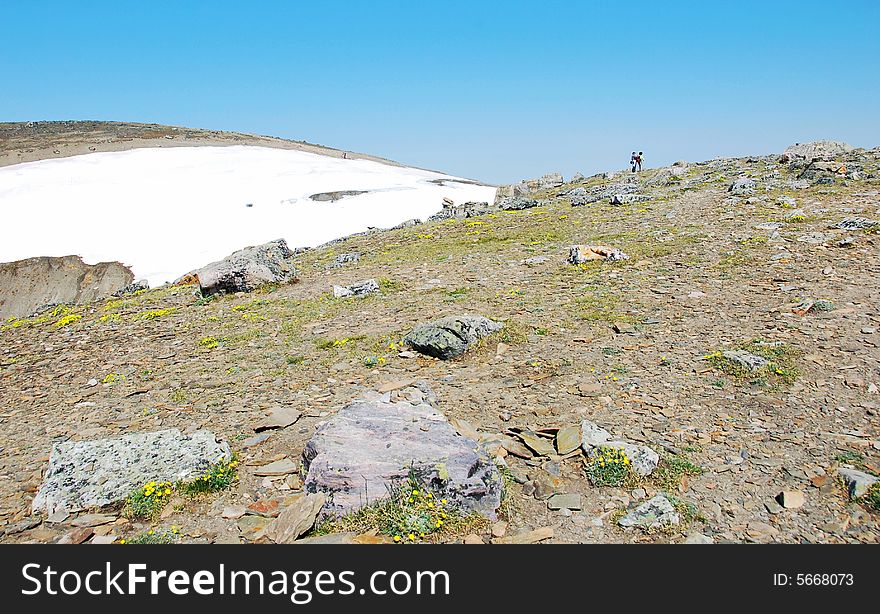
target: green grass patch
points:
(411, 513)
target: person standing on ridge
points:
(632, 162)
(639, 160)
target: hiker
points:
(639, 160)
(632, 162)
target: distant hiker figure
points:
(639, 160)
(632, 162)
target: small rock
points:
(499, 529)
(473, 539)
(278, 418)
(77, 536)
(528, 537)
(564, 502)
(698, 538)
(296, 519)
(267, 508)
(568, 439)
(277, 468)
(791, 499)
(653, 514)
(361, 288)
(233, 512)
(93, 520)
(857, 482)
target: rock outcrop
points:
(27, 285)
(248, 269)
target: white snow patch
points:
(165, 212)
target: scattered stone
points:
(254, 528)
(857, 482)
(791, 499)
(643, 459)
(541, 445)
(856, 223)
(568, 439)
(452, 336)
(347, 258)
(133, 288)
(277, 468)
(564, 502)
(773, 507)
(373, 442)
(499, 529)
(57, 517)
(103, 539)
(473, 539)
(698, 538)
(743, 187)
(256, 440)
(528, 537)
(518, 204)
(77, 536)
(91, 474)
(279, 418)
(655, 513)
(92, 520)
(296, 519)
(267, 508)
(361, 288)
(247, 269)
(579, 254)
(233, 512)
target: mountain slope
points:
(633, 345)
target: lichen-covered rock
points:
(655, 513)
(743, 187)
(857, 482)
(374, 443)
(452, 336)
(248, 269)
(643, 459)
(361, 288)
(346, 258)
(91, 474)
(132, 288)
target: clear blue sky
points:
(493, 90)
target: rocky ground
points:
(725, 255)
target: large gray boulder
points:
(27, 285)
(248, 269)
(449, 337)
(92, 474)
(375, 442)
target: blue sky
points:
(490, 90)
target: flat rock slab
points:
(373, 443)
(450, 337)
(92, 474)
